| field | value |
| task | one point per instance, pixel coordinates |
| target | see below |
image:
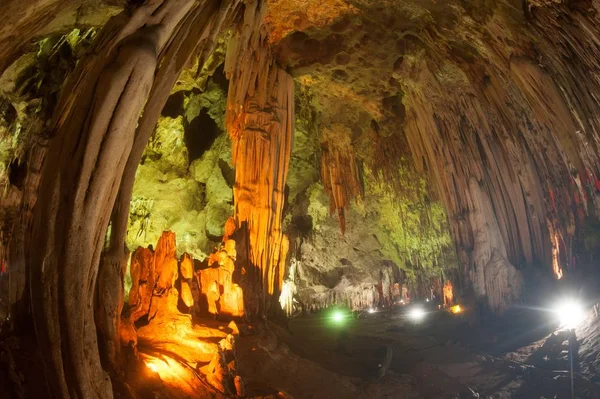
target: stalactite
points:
(503, 169)
(555, 240)
(93, 134)
(260, 121)
(339, 171)
(197, 35)
(388, 153)
(22, 20)
(498, 95)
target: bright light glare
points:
(371, 310)
(456, 309)
(338, 316)
(570, 313)
(152, 367)
(416, 314)
(427, 300)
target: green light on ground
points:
(338, 316)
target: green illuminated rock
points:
(192, 199)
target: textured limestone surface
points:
(184, 183)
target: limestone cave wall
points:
(392, 239)
(185, 181)
(491, 101)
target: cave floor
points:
(439, 358)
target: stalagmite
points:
(354, 292)
(448, 292)
(142, 278)
(260, 121)
(221, 294)
(167, 330)
(186, 269)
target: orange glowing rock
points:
(165, 261)
(229, 228)
(176, 376)
(448, 293)
(232, 302)
(212, 297)
(222, 295)
(186, 294)
(260, 120)
(234, 328)
(151, 364)
(239, 386)
(221, 371)
(142, 282)
(230, 249)
(184, 346)
(169, 330)
(186, 269)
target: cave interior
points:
(247, 198)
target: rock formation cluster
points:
(166, 299)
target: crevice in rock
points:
(200, 134)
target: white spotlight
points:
(416, 314)
(371, 310)
(570, 313)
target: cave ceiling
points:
(492, 101)
(360, 57)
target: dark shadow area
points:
(228, 172)
(17, 172)
(21, 363)
(220, 79)
(200, 134)
(174, 106)
(517, 328)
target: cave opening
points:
(242, 198)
